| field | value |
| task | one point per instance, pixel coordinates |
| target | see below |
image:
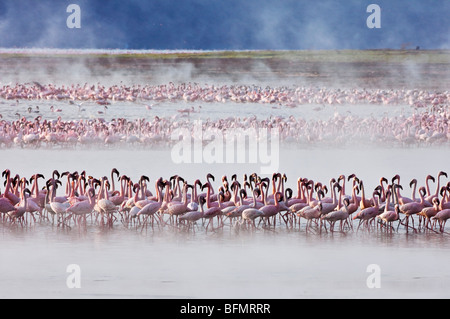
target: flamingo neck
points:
(386, 207)
(413, 196)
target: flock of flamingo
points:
(428, 126)
(417, 130)
(190, 92)
(250, 203)
(177, 203)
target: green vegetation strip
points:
(363, 56)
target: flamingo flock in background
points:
(422, 129)
(429, 125)
(190, 92)
(182, 205)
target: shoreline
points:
(381, 69)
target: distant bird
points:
(52, 108)
(30, 109)
(104, 110)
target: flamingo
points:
(368, 214)
(431, 196)
(193, 216)
(14, 199)
(441, 217)
(82, 208)
(57, 208)
(355, 183)
(310, 213)
(209, 204)
(429, 212)
(364, 202)
(354, 201)
(213, 211)
(238, 210)
(5, 205)
(337, 215)
(300, 193)
(151, 208)
(21, 207)
(410, 209)
(39, 196)
(428, 186)
(118, 199)
(389, 216)
(250, 214)
(299, 205)
(329, 207)
(272, 210)
(193, 205)
(403, 199)
(445, 202)
(31, 206)
(105, 205)
(181, 208)
(210, 187)
(52, 108)
(383, 190)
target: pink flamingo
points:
(364, 202)
(213, 211)
(106, 207)
(383, 190)
(14, 199)
(329, 207)
(310, 213)
(428, 192)
(403, 199)
(39, 196)
(118, 199)
(58, 208)
(151, 208)
(355, 183)
(337, 215)
(410, 209)
(82, 208)
(300, 193)
(354, 201)
(445, 202)
(193, 205)
(5, 205)
(300, 205)
(270, 210)
(21, 207)
(209, 204)
(52, 108)
(389, 216)
(441, 217)
(250, 214)
(31, 206)
(193, 216)
(429, 212)
(436, 194)
(368, 214)
(179, 208)
(238, 210)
